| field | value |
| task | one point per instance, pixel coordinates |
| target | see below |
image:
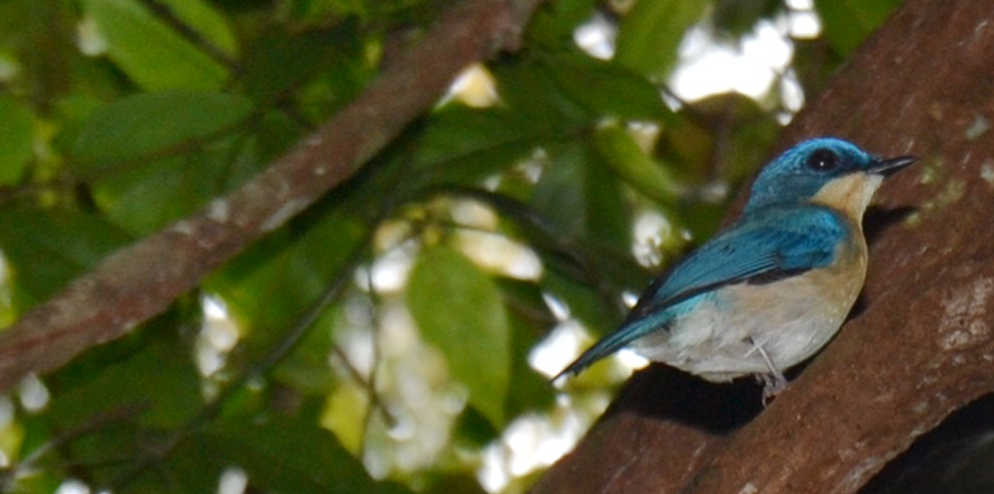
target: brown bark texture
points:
(142, 280)
(920, 343)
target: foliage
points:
(119, 117)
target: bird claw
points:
(773, 384)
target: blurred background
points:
(400, 335)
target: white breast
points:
(791, 319)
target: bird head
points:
(827, 171)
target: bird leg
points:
(774, 382)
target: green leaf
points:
(125, 396)
(280, 60)
(651, 31)
(848, 22)
(47, 248)
(154, 55)
(581, 198)
(202, 18)
(465, 145)
(530, 321)
(527, 90)
(459, 311)
(620, 151)
(306, 367)
(606, 89)
(282, 454)
(16, 139)
(136, 127)
(158, 377)
(474, 431)
(148, 197)
(554, 23)
(276, 133)
(194, 466)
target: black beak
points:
(891, 166)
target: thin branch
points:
(375, 401)
(140, 281)
(369, 385)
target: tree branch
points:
(141, 280)
(923, 343)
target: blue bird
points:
(772, 289)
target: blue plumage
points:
(775, 239)
(770, 290)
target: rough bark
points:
(142, 280)
(920, 344)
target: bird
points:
(773, 288)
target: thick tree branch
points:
(923, 343)
(141, 280)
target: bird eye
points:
(823, 160)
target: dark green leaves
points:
(460, 312)
(149, 125)
(651, 32)
(47, 248)
(582, 202)
(154, 158)
(555, 22)
(157, 380)
(544, 100)
(570, 87)
(153, 54)
(606, 89)
(620, 151)
(16, 139)
(465, 145)
(580, 197)
(284, 455)
(279, 62)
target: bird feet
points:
(774, 382)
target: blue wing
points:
(767, 245)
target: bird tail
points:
(610, 344)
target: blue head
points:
(827, 171)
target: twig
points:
(368, 384)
